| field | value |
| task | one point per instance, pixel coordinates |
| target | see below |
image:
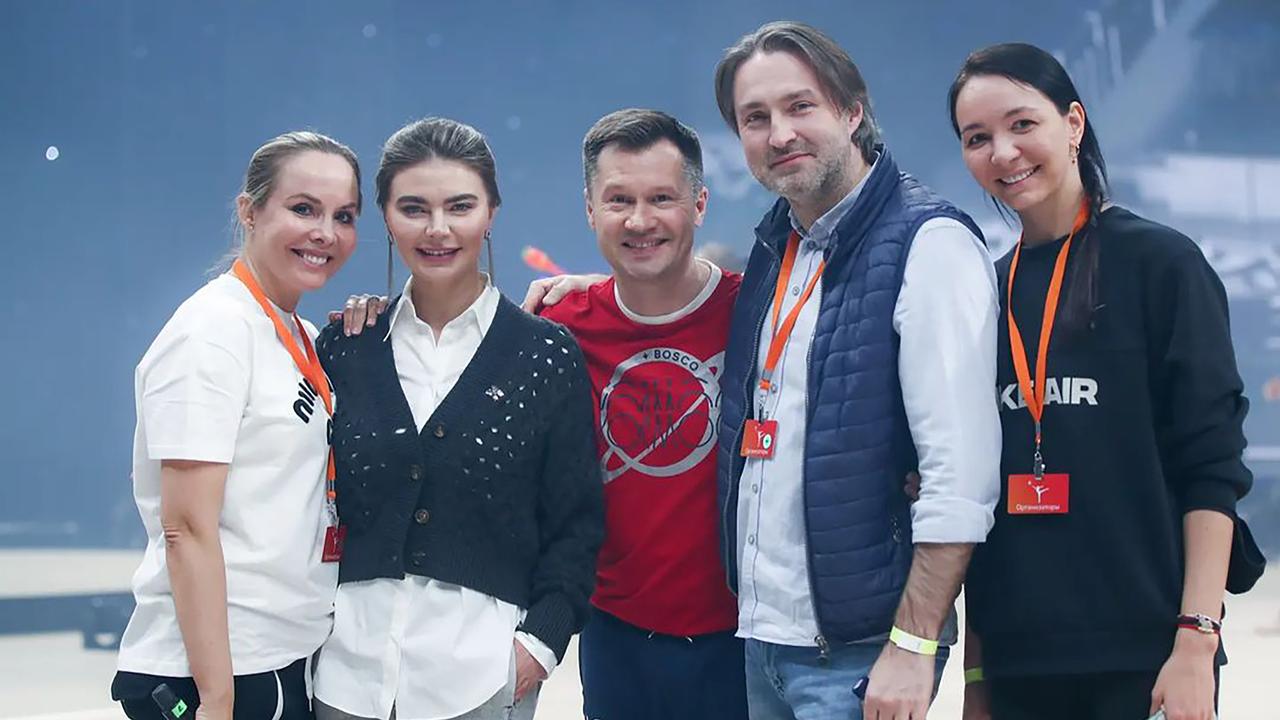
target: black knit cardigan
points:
(501, 490)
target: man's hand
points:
(528, 672)
(1184, 687)
(901, 683)
(361, 311)
(912, 486)
(900, 686)
(549, 291)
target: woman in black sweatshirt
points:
(1098, 594)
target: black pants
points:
(629, 673)
(258, 696)
(1097, 696)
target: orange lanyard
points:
(781, 333)
(1034, 394)
(308, 363)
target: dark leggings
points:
(278, 694)
(1095, 696)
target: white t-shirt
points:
(217, 385)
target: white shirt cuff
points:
(539, 650)
(950, 519)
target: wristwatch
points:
(1200, 623)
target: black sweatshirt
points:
(501, 490)
(1145, 412)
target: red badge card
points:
(1047, 496)
(757, 441)
(333, 537)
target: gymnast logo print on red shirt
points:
(659, 412)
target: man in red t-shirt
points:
(660, 642)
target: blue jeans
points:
(791, 683)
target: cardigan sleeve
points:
(570, 512)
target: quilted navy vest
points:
(858, 446)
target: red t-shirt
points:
(657, 393)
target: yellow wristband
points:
(973, 675)
(911, 643)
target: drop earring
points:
(390, 277)
(488, 244)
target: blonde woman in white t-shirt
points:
(231, 455)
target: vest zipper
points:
(824, 650)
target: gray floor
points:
(50, 676)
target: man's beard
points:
(810, 185)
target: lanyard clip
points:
(331, 505)
(766, 380)
(762, 391)
(1037, 460)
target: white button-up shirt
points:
(945, 317)
(430, 649)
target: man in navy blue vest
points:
(862, 346)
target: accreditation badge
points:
(1048, 494)
(758, 440)
(334, 536)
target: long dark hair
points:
(1029, 65)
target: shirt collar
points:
(481, 312)
(709, 287)
(825, 227)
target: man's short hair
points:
(637, 129)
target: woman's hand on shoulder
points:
(360, 312)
